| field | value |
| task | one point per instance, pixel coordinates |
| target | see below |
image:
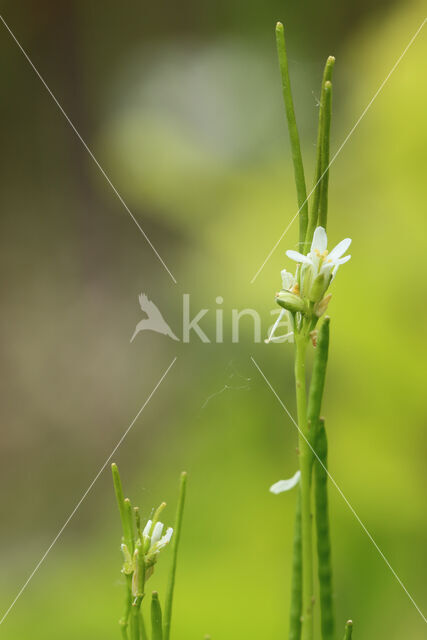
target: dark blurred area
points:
(181, 107)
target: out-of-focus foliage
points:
(187, 121)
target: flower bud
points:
(319, 287)
(290, 301)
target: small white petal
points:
(147, 529)
(281, 314)
(339, 250)
(166, 538)
(343, 260)
(286, 485)
(298, 257)
(157, 533)
(320, 240)
(287, 337)
(287, 279)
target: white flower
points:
(286, 485)
(319, 259)
(153, 540)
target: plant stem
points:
(296, 584)
(306, 467)
(323, 535)
(348, 630)
(314, 209)
(142, 629)
(124, 622)
(293, 133)
(175, 545)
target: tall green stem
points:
(296, 584)
(293, 132)
(306, 467)
(323, 535)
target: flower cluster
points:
(304, 292)
(150, 542)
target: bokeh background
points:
(181, 104)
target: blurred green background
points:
(181, 104)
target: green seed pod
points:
(291, 302)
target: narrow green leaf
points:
(293, 133)
(323, 534)
(348, 630)
(156, 618)
(123, 508)
(175, 546)
(296, 583)
(315, 198)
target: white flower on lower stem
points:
(319, 259)
(286, 485)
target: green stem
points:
(324, 185)
(142, 629)
(323, 535)
(306, 467)
(348, 630)
(293, 132)
(314, 209)
(124, 622)
(296, 584)
(156, 618)
(175, 545)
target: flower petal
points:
(147, 529)
(166, 538)
(343, 260)
(286, 485)
(287, 279)
(157, 533)
(320, 240)
(281, 314)
(298, 257)
(340, 249)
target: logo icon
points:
(154, 321)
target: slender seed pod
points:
(323, 535)
(323, 202)
(348, 630)
(156, 617)
(175, 546)
(129, 519)
(296, 584)
(293, 133)
(317, 384)
(314, 210)
(123, 508)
